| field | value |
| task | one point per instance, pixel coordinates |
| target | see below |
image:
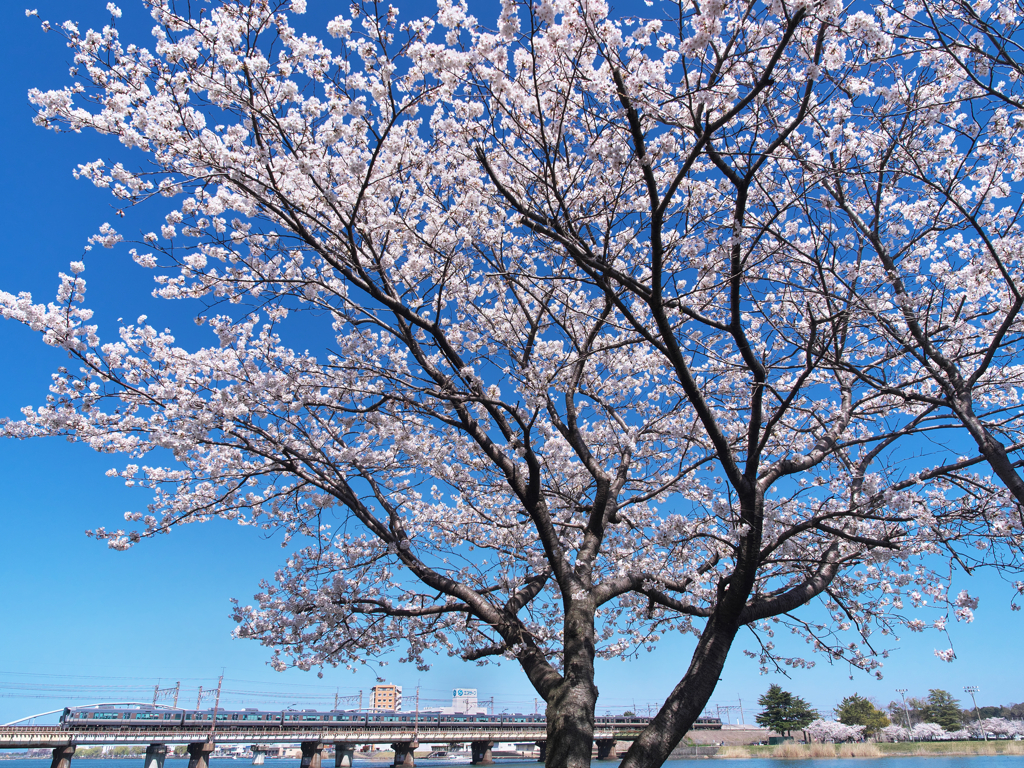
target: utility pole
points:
(158, 692)
(360, 701)
(335, 699)
(973, 689)
(902, 692)
(742, 722)
(216, 705)
(728, 708)
(199, 698)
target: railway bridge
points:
(404, 738)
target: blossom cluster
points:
(578, 320)
(833, 731)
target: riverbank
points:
(790, 751)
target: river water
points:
(939, 761)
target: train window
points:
(308, 718)
(147, 716)
(105, 716)
(252, 717)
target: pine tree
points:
(942, 709)
(784, 712)
(856, 710)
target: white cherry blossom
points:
(542, 337)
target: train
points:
(110, 717)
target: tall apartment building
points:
(386, 696)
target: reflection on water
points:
(938, 761)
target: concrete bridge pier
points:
(404, 753)
(481, 751)
(605, 749)
(258, 755)
(62, 756)
(312, 754)
(542, 758)
(199, 754)
(343, 753)
(155, 754)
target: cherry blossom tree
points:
(997, 726)
(923, 732)
(538, 341)
(937, 171)
(831, 730)
(895, 733)
(932, 732)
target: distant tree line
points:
(943, 708)
(784, 712)
(1009, 711)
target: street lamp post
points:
(973, 689)
(910, 728)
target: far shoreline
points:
(786, 751)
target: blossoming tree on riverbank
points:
(543, 340)
(833, 731)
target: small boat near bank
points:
(449, 757)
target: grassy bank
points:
(916, 749)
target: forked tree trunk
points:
(570, 708)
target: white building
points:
(464, 703)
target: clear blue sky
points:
(75, 616)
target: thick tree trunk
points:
(994, 452)
(692, 693)
(687, 700)
(570, 708)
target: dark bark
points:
(991, 448)
(687, 700)
(570, 708)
